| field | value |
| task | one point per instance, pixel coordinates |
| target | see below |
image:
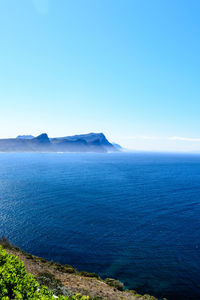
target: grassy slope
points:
(74, 281)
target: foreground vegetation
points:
(15, 283)
(52, 280)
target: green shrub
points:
(16, 284)
(54, 284)
(59, 267)
(4, 242)
(86, 274)
(69, 269)
(115, 283)
(41, 259)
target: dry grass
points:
(73, 282)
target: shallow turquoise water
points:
(134, 217)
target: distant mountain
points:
(92, 142)
(27, 137)
(42, 139)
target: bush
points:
(29, 256)
(4, 242)
(59, 267)
(16, 284)
(41, 259)
(69, 269)
(86, 274)
(115, 283)
(63, 268)
(54, 284)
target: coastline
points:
(72, 280)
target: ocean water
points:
(130, 216)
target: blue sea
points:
(131, 216)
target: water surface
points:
(134, 217)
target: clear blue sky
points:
(130, 69)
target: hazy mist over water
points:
(134, 217)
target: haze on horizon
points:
(129, 69)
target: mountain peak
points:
(42, 138)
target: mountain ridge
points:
(91, 142)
